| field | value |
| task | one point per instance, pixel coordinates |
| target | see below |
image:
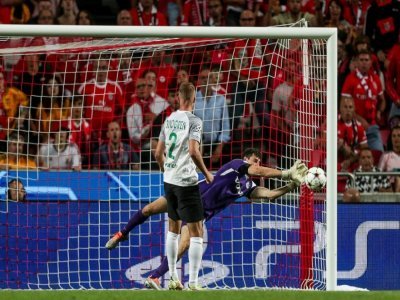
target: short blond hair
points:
(186, 90)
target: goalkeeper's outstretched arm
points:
(256, 170)
(296, 173)
(261, 194)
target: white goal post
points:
(328, 34)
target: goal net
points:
(80, 117)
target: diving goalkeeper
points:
(231, 182)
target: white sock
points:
(172, 253)
(195, 256)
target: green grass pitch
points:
(185, 295)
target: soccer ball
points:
(315, 179)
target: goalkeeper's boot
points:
(115, 240)
(195, 287)
(152, 283)
(175, 285)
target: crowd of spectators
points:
(103, 111)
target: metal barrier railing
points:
(353, 175)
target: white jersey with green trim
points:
(177, 130)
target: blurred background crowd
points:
(119, 130)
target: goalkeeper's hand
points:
(296, 173)
(292, 185)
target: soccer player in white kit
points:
(178, 154)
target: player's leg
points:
(156, 207)
(174, 226)
(153, 281)
(195, 253)
(191, 211)
(153, 208)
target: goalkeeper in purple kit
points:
(231, 182)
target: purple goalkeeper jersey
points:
(230, 183)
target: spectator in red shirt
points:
(351, 134)
(80, 129)
(195, 13)
(146, 14)
(365, 87)
(382, 24)
(392, 80)
(354, 12)
(361, 43)
(103, 98)
(164, 70)
(86, 69)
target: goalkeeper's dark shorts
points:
(184, 203)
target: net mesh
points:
(80, 119)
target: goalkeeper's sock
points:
(172, 253)
(137, 219)
(161, 270)
(195, 256)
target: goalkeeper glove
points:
(292, 185)
(296, 173)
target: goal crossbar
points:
(167, 31)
